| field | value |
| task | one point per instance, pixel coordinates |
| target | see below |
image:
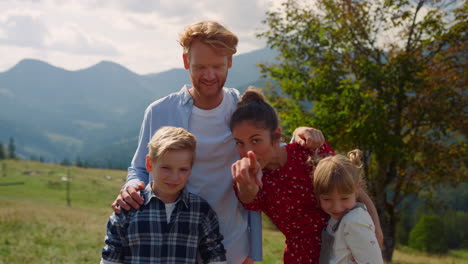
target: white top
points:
(355, 240)
(169, 209)
(211, 174)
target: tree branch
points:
(413, 25)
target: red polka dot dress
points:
(287, 197)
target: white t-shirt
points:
(355, 240)
(169, 209)
(211, 174)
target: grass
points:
(406, 255)
(43, 233)
(273, 243)
(44, 183)
(37, 226)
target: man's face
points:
(208, 73)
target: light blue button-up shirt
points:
(175, 110)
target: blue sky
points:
(139, 34)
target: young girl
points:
(350, 234)
(284, 192)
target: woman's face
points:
(249, 137)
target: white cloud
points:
(70, 38)
(139, 34)
(22, 29)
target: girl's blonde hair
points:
(171, 138)
(338, 172)
(211, 33)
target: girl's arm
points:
(359, 235)
(365, 199)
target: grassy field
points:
(38, 226)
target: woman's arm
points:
(308, 137)
(365, 199)
(247, 174)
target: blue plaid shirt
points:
(144, 236)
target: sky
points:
(141, 35)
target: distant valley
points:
(93, 114)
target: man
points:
(204, 109)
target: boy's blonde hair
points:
(338, 172)
(171, 138)
(211, 33)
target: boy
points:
(173, 225)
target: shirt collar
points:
(187, 97)
(148, 194)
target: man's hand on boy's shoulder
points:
(128, 198)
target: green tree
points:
(456, 229)
(12, 149)
(428, 235)
(78, 162)
(65, 162)
(383, 76)
(2, 152)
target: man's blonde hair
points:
(171, 138)
(212, 33)
(338, 172)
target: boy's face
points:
(170, 173)
(336, 204)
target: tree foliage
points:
(11, 149)
(2, 152)
(386, 76)
(428, 235)
(456, 229)
(452, 208)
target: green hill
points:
(38, 226)
(55, 114)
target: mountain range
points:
(93, 114)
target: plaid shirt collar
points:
(148, 194)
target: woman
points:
(276, 179)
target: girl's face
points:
(336, 204)
(249, 137)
